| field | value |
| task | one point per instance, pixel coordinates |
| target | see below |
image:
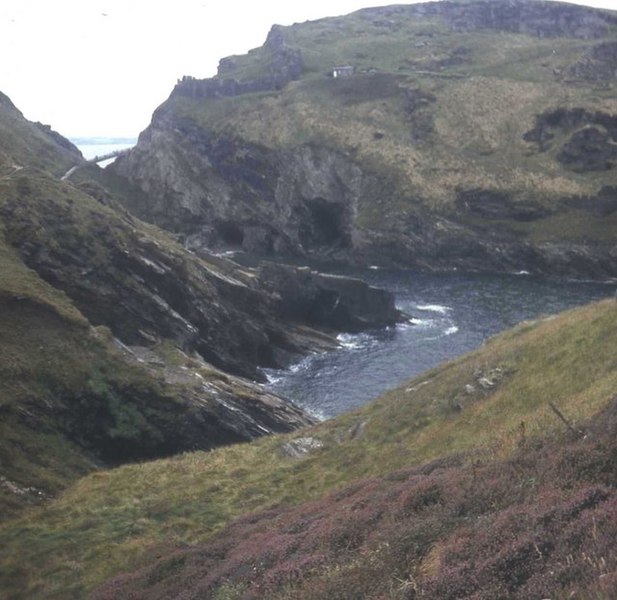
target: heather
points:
(114, 521)
(540, 524)
(469, 138)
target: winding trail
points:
(16, 169)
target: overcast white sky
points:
(100, 67)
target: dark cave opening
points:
(230, 234)
(326, 224)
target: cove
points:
(452, 314)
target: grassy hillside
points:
(461, 119)
(483, 403)
(540, 524)
(23, 143)
(73, 399)
(450, 109)
(97, 365)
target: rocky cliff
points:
(117, 343)
(472, 135)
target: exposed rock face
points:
(341, 303)
(382, 167)
(73, 398)
(542, 19)
(226, 192)
(590, 149)
(603, 204)
(285, 65)
(146, 288)
(218, 408)
(600, 64)
(592, 141)
(300, 447)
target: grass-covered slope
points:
(484, 404)
(23, 143)
(450, 104)
(472, 134)
(101, 317)
(73, 399)
(540, 524)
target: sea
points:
(449, 314)
(91, 147)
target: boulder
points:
(334, 301)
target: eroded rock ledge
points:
(341, 303)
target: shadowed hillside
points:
(118, 344)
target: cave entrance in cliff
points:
(326, 224)
(230, 234)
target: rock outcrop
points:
(590, 138)
(146, 288)
(541, 19)
(413, 161)
(339, 303)
(117, 343)
(284, 65)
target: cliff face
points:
(117, 343)
(472, 135)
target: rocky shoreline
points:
(382, 167)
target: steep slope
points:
(119, 345)
(73, 397)
(476, 409)
(538, 525)
(146, 287)
(34, 144)
(476, 135)
(73, 400)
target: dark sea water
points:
(452, 314)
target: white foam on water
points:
(451, 330)
(272, 378)
(438, 308)
(420, 323)
(300, 366)
(350, 341)
(355, 341)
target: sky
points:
(101, 67)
